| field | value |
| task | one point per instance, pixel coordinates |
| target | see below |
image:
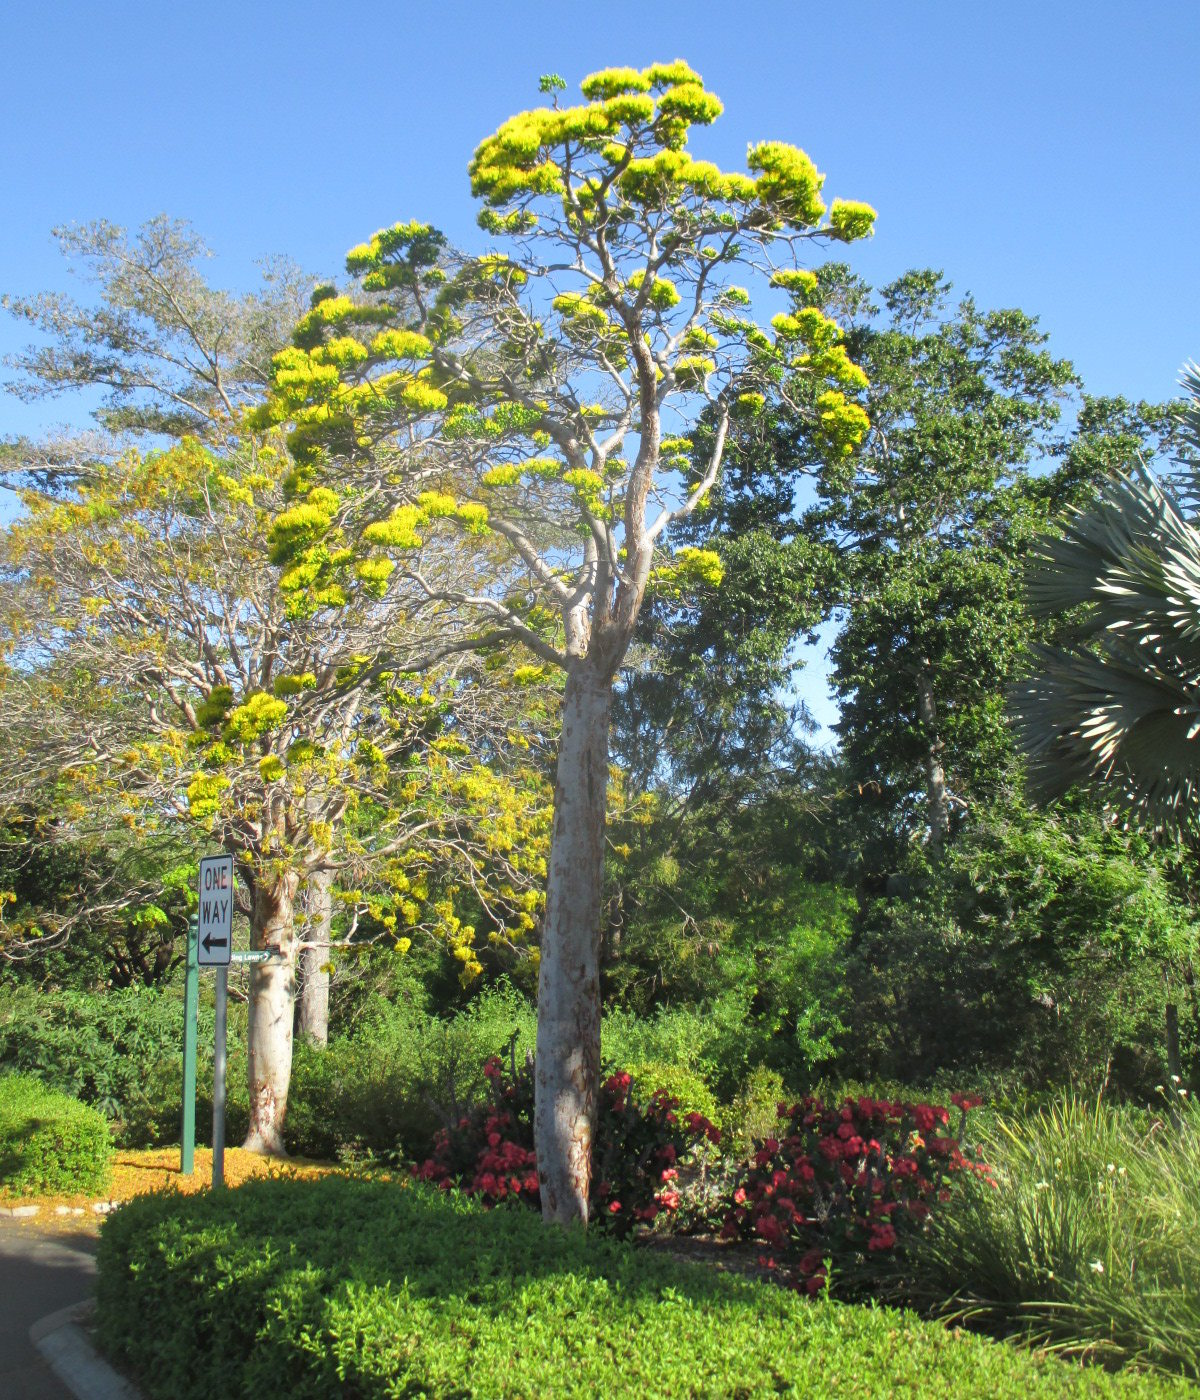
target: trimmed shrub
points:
(373, 1289)
(50, 1143)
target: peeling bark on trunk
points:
(935, 776)
(568, 1037)
(312, 1000)
(272, 996)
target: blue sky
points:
(1044, 155)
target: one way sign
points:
(215, 930)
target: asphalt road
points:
(41, 1270)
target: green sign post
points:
(210, 946)
(191, 990)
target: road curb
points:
(66, 1347)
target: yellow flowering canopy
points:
(526, 397)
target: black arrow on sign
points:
(208, 942)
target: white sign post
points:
(214, 949)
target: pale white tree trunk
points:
(568, 1036)
(312, 1001)
(272, 997)
(935, 775)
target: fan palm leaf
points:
(1119, 708)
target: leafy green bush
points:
(99, 1047)
(372, 1289)
(753, 1115)
(386, 1088)
(710, 1040)
(685, 1085)
(121, 1051)
(49, 1143)
(1089, 1244)
(1037, 949)
(401, 1076)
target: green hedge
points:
(373, 1289)
(49, 1143)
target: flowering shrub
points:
(847, 1183)
(636, 1149)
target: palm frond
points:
(1132, 562)
(1109, 720)
(1119, 708)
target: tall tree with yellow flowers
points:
(158, 668)
(565, 399)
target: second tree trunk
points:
(272, 998)
(312, 997)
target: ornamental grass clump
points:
(639, 1145)
(1089, 1245)
(850, 1185)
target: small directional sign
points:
(216, 911)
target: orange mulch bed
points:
(134, 1173)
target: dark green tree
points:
(930, 520)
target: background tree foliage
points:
(141, 586)
(346, 579)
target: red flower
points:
(769, 1229)
(882, 1237)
